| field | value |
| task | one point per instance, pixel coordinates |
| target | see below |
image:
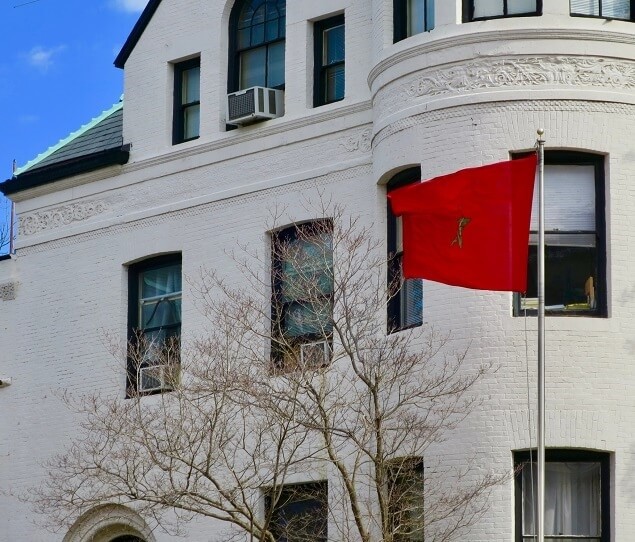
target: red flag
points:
(469, 228)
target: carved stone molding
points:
(483, 74)
(358, 142)
(33, 223)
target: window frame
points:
(401, 19)
(271, 512)
(468, 12)
(600, 16)
(562, 455)
(235, 52)
(180, 108)
(134, 273)
(319, 69)
(279, 308)
(557, 157)
(395, 302)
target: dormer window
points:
(257, 36)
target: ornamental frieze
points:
(33, 223)
(511, 72)
(358, 142)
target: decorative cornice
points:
(509, 73)
(499, 36)
(32, 223)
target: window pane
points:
(572, 499)
(585, 7)
(275, 75)
(257, 34)
(333, 45)
(301, 513)
(411, 302)
(271, 30)
(191, 122)
(619, 9)
(303, 319)
(488, 8)
(191, 88)
(516, 7)
(569, 198)
(162, 281)
(570, 277)
(162, 312)
(252, 68)
(416, 17)
(334, 83)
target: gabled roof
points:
(95, 145)
(136, 33)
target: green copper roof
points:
(102, 133)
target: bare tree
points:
(297, 380)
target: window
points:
(302, 288)
(299, 513)
(577, 499)
(405, 499)
(412, 17)
(575, 281)
(257, 33)
(154, 323)
(187, 104)
(475, 10)
(329, 61)
(609, 9)
(405, 304)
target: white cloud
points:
(42, 58)
(132, 6)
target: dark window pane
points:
(300, 515)
(243, 38)
(259, 13)
(257, 34)
(275, 74)
(253, 68)
(334, 83)
(271, 30)
(333, 45)
(162, 281)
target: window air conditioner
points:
(253, 104)
(316, 354)
(155, 377)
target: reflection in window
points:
(187, 88)
(329, 61)
(257, 34)
(302, 287)
(405, 499)
(154, 324)
(412, 17)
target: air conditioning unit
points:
(316, 354)
(253, 104)
(155, 377)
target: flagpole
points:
(541, 336)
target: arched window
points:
(257, 34)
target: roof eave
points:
(137, 31)
(69, 168)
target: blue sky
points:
(56, 70)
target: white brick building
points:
(463, 83)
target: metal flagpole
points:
(541, 336)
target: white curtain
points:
(572, 499)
